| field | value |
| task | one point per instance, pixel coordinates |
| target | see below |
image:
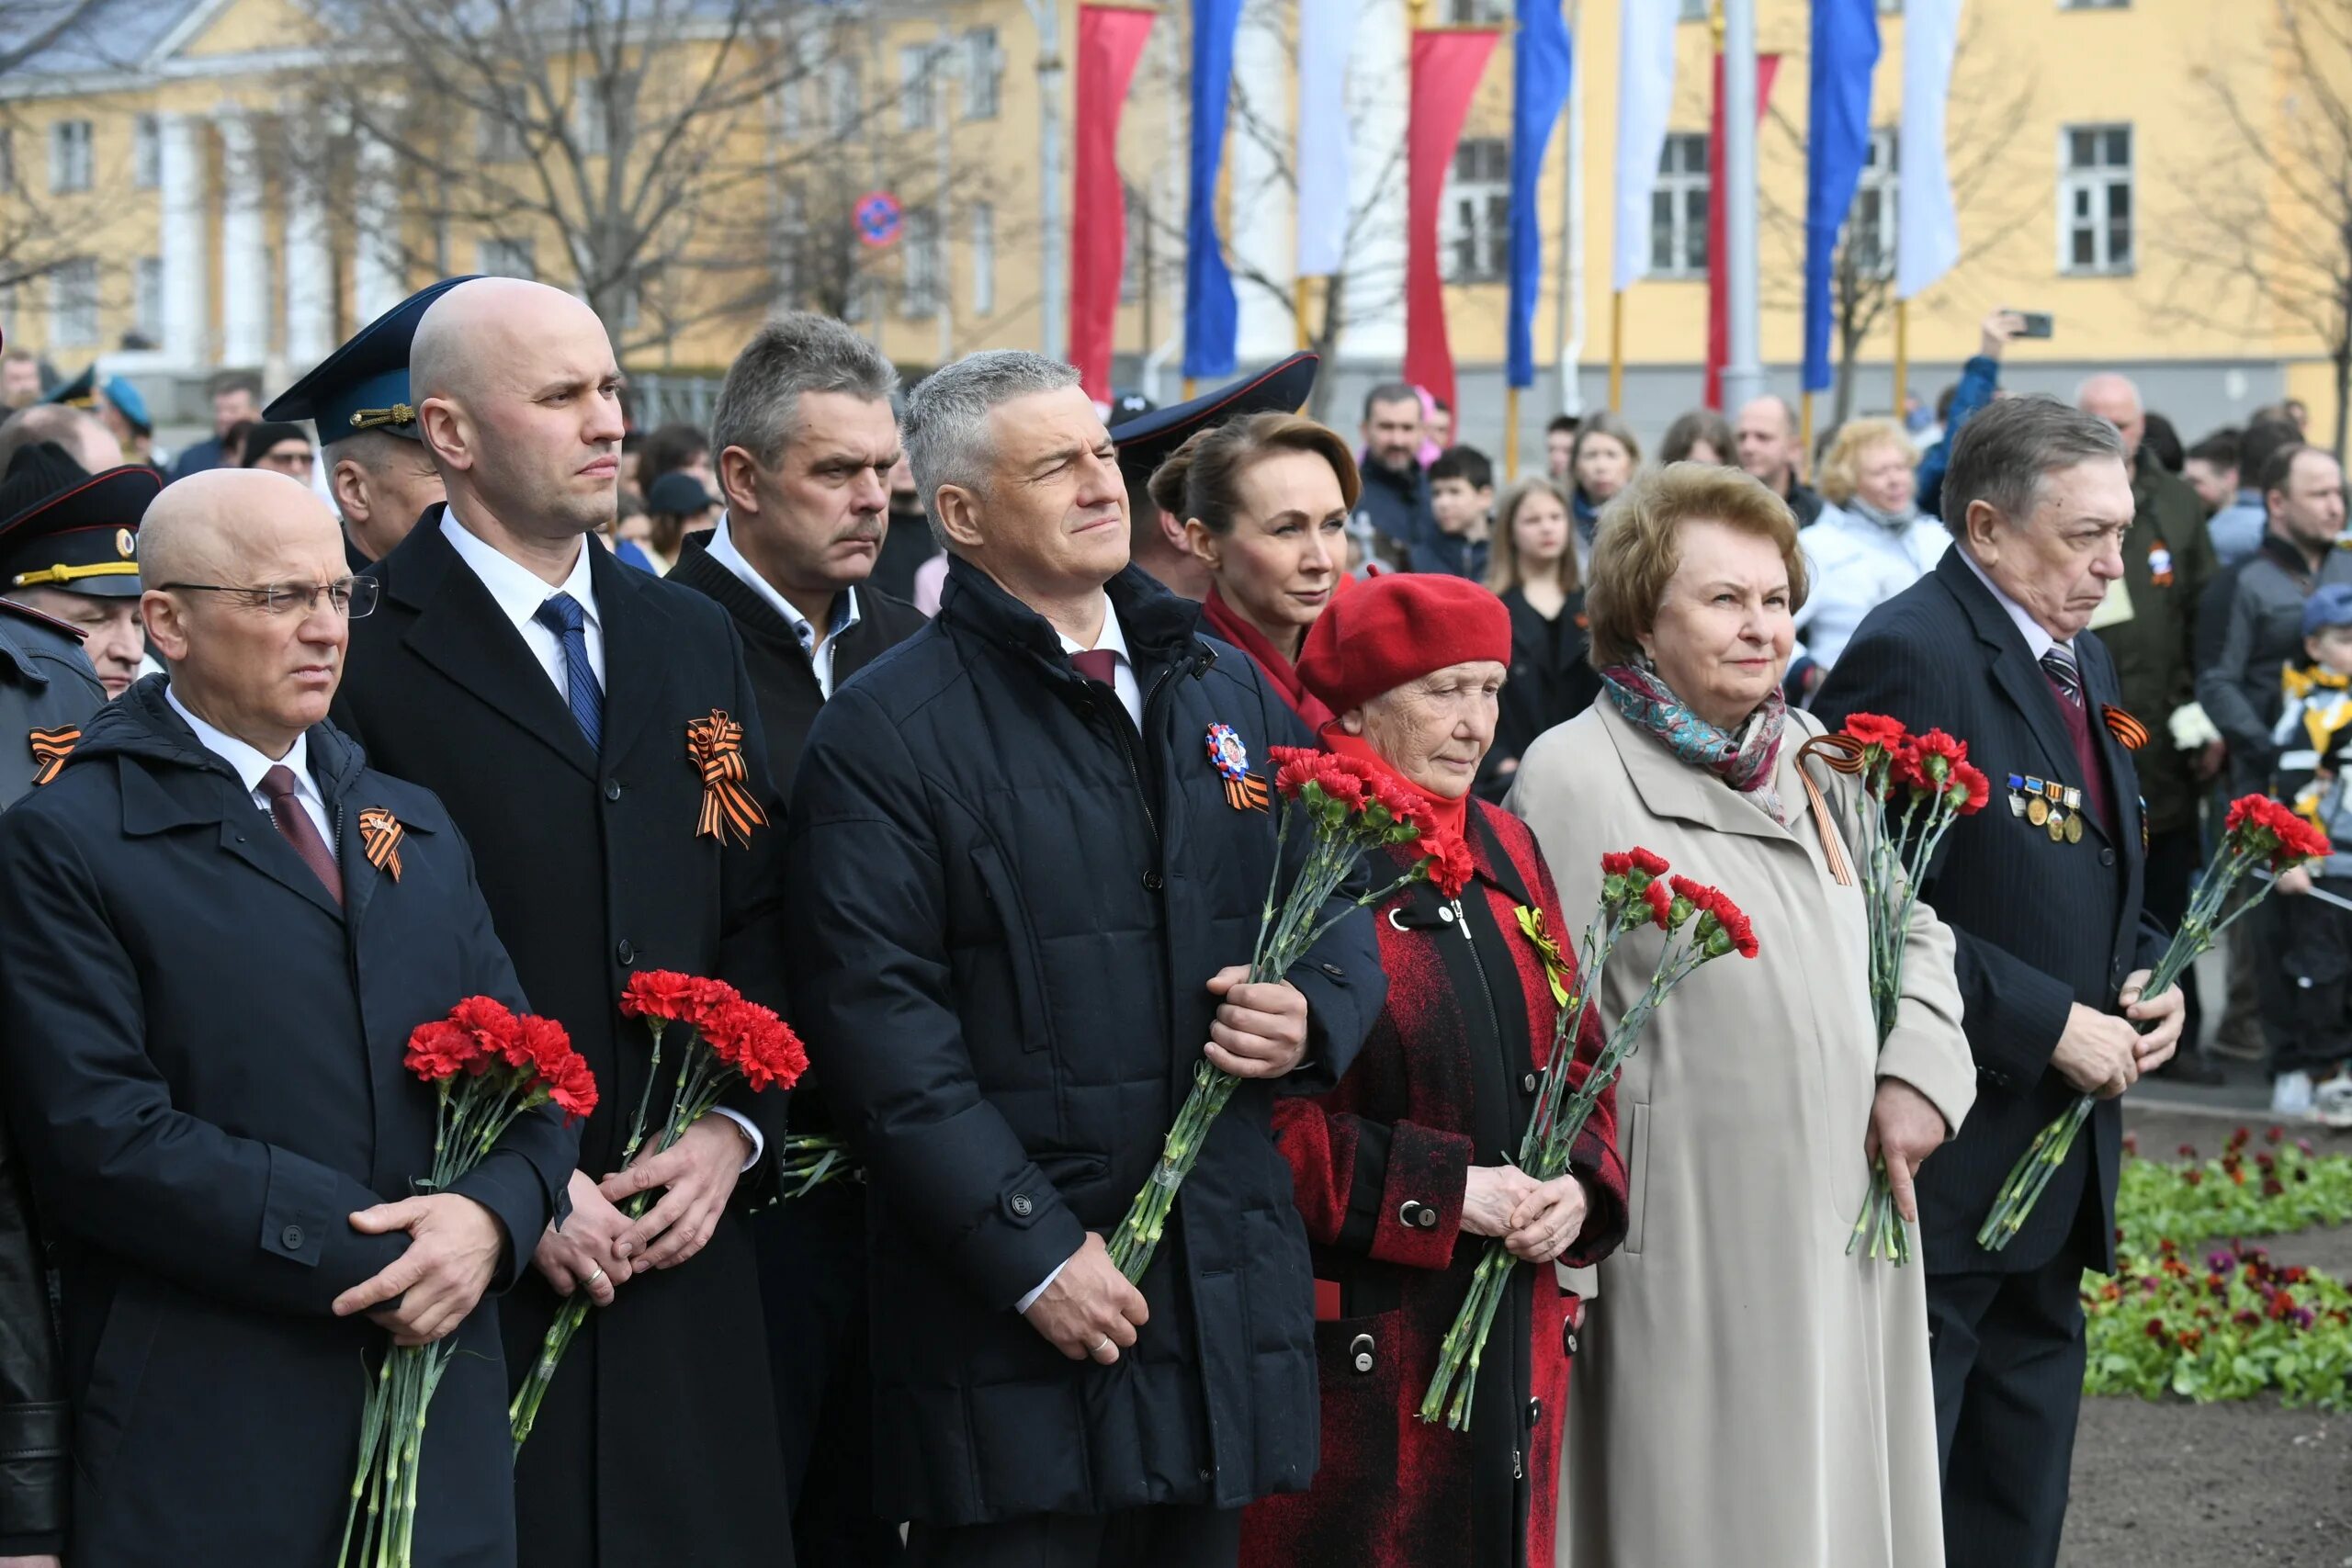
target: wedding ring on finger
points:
(1104, 1346)
(595, 1276)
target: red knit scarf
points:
(1280, 673)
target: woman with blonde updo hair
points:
(1265, 503)
(1869, 543)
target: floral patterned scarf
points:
(1745, 759)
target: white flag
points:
(1326, 33)
(1645, 102)
(1927, 230)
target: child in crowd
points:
(1462, 500)
(2314, 777)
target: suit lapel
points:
(2014, 670)
(462, 632)
(636, 628)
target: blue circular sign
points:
(880, 218)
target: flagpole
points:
(1617, 352)
(1511, 433)
(1805, 435)
(1743, 376)
(1298, 305)
(1902, 352)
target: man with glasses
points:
(580, 719)
(223, 923)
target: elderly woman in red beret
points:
(1400, 1170)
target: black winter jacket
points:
(1006, 906)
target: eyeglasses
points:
(351, 596)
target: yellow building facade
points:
(148, 159)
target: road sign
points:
(880, 218)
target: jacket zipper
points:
(1127, 753)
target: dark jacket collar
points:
(142, 724)
(2287, 556)
(1161, 629)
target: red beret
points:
(1399, 627)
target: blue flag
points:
(1845, 51)
(1541, 63)
(1211, 317)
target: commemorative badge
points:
(50, 749)
(1244, 791)
(715, 747)
(380, 836)
(2160, 565)
(2128, 732)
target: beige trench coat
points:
(1746, 1392)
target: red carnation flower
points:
(1661, 902)
(755, 1042)
(439, 1050)
(657, 993)
(1903, 770)
(1939, 754)
(1616, 865)
(1451, 864)
(705, 999)
(1970, 789)
(1647, 863)
(1350, 789)
(1877, 730)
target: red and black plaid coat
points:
(1445, 1081)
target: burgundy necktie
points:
(295, 825)
(1098, 664)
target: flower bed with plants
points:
(2222, 1321)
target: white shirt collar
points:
(722, 550)
(2038, 640)
(1110, 639)
(518, 590)
(250, 762)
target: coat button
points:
(1408, 1213)
(1567, 1339)
(1153, 882)
(1360, 1351)
(1528, 1083)
(612, 789)
(1446, 913)
(2107, 857)
(291, 1239)
(1021, 1205)
(624, 952)
(1536, 1413)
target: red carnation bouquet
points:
(732, 1040)
(1915, 788)
(1702, 925)
(487, 1065)
(1351, 810)
(2258, 831)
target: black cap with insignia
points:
(1146, 440)
(63, 527)
(364, 384)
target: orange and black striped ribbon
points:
(51, 748)
(1247, 793)
(2128, 732)
(380, 833)
(1840, 754)
(715, 746)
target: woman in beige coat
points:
(1746, 1392)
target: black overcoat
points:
(207, 1079)
(2038, 924)
(653, 1445)
(1011, 902)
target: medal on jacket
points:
(50, 749)
(2159, 565)
(380, 835)
(2128, 732)
(1244, 791)
(715, 746)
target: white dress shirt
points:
(2038, 640)
(1111, 639)
(721, 550)
(252, 765)
(520, 592)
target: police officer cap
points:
(82, 393)
(1147, 441)
(2329, 605)
(364, 384)
(65, 528)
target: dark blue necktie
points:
(563, 615)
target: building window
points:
(68, 155)
(1869, 227)
(505, 258)
(1696, 10)
(73, 305)
(600, 105)
(147, 307)
(919, 287)
(2095, 199)
(918, 88)
(497, 138)
(1477, 13)
(846, 97)
(1477, 211)
(983, 259)
(2094, 5)
(1679, 208)
(146, 152)
(983, 73)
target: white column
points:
(1379, 90)
(188, 305)
(244, 250)
(375, 262)
(1262, 215)
(310, 273)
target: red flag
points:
(1110, 40)
(1768, 66)
(1446, 68)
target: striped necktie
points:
(563, 615)
(2066, 678)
